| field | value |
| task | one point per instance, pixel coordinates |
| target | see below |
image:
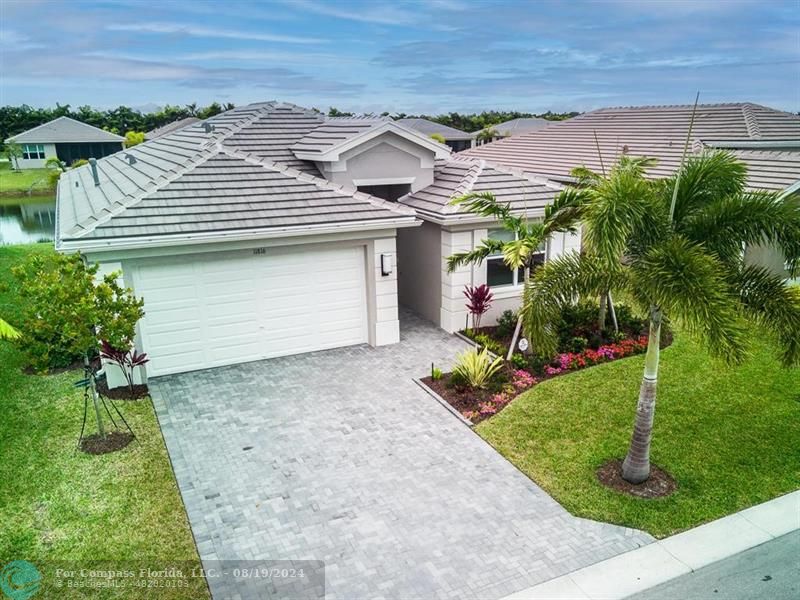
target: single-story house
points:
(66, 139)
(271, 229)
(767, 140)
(455, 138)
(170, 127)
(512, 128)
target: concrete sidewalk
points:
(666, 559)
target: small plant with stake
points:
(479, 301)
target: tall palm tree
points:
(674, 248)
(560, 216)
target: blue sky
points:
(427, 56)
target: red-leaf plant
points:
(126, 360)
(479, 301)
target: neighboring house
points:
(170, 127)
(513, 128)
(455, 138)
(271, 230)
(765, 139)
(66, 139)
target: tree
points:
(335, 112)
(678, 247)
(13, 153)
(132, 138)
(486, 135)
(519, 253)
(438, 137)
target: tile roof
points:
(460, 175)
(64, 130)
(428, 128)
(237, 176)
(170, 127)
(764, 136)
(519, 126)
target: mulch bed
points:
(115, 440)
(122, 393)
(658, 485)
(460, 399)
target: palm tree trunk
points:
(601, 320)
(518, 328)
(636, 466)
(613, 313)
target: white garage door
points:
(215, 310)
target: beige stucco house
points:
(271, 230)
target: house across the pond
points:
(67, 139)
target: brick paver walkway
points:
(338, 456)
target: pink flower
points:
(500, 399)
(552, 370)
(470, 415)
(522, 380)
(487, 408)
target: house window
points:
(497, 271)
(34, 151)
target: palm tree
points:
(678, 245)
(486, 135)
(518, 253)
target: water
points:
(27, 220)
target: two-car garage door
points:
(217, 309)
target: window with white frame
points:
(32, 151)
(498, 273)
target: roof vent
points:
(208, 127)
(95, 176)
(130, 158)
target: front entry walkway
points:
(339, 456)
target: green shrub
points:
(518, 361)
(436, 373)
(490, 343)
(65, 310)
(477, 368)
(578, 344)
(506, 323)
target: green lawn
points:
(57, 503)
(729, 436)
(18, 183)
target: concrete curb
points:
(443, 402)
(656, 563)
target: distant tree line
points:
(469, 122)
(120, 120)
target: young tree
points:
(518, 253)
(13, 153)
(132, 138)
(678, 244)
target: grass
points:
(59, 504)
(729, 436)
(19, 183)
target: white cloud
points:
(210, 32)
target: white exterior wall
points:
(114, 376)
(383, 319)
(453, 310)
(36, 163)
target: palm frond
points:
(704, 178)
(485, 249)
(774, 305)
(517, 252)
(689, 285)
(564, 213)
(559, 282)
(7, 332)
(486, 204)
(727, 223)
(585, 176)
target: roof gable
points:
(65, 130)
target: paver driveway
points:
(351, 463)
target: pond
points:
(27, 220)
